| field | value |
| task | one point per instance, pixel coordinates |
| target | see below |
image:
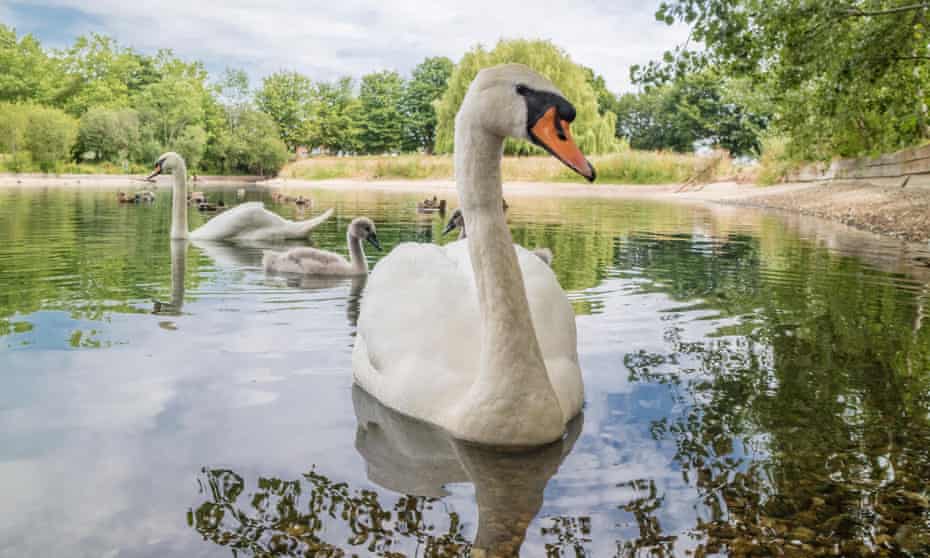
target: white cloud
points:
(326, 39)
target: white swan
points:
(499, 364)
(457, 221)
(312, 261)
(249, 221)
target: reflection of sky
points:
(101, 450)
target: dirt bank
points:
(887, 208)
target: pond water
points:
(754, 383)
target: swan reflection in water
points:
(230, 256)
(178, 271)
(292, 517)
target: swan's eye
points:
(522, 89)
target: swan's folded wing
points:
(417, 344)
(238, 220)
(314, 255)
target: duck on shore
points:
(430, 205)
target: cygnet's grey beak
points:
(450, 226)
(373, 240)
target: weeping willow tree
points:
(593, 131)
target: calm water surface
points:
(754, 383)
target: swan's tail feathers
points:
(544, 254)
(301, 229)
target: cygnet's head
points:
(511, 100)
(456, 220)
(167, 162)
(363, 228)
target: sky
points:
(328, 39)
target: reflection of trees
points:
(806, 428)
(294, 518)
(83, 253)
(315, 516)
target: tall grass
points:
(627, 167)
(775, 163)
(24, 163)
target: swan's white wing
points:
(251, 221)
(418, 343)
(417, 347)
(239, 219)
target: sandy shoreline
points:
(883, 207)
(716, 192)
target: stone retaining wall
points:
(911, 161)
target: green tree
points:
(250, 145)
(426, 86)
(335, 116)
(268, 156)
(168, 107)
(606, 100)
(697, 106)
(235, 90)
(49, 136)
(841, 77)
(25, 70)
(100, 73)
(13, 122)
(286, 97)
(109, 134)
(379, 97)
(594, 132)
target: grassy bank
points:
(628, 167)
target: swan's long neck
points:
(512, 382)
(179, 201)
(356, 254)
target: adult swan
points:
(503, 371)
(248, 221)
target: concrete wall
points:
(911, 161)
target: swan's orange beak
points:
(555, 136)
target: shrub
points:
(110, 134)
(13, 123)
(776, 162)
(50, 136)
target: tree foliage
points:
(379, 97)
(251, 145)
(695, 107)
(97, 72)
(49, 136)
(24, 67)
(842, 77)
(335, 116)
(594, 132)
(109, 134)
(426, 86)
(13, 122)
(286, 97)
